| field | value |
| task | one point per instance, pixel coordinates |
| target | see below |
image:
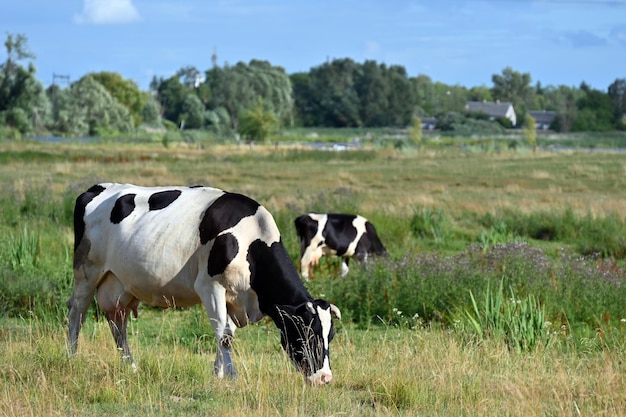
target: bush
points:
(589, 234)
(430, 223)
(576, 293)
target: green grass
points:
(457, 218)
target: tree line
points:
(254, 99)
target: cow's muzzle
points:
(321, 377)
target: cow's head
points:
(305, 333)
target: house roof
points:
(494, 109)
(544, 117)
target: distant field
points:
(377, 180)
(429, 205)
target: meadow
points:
(503, 293)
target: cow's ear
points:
(310, 307)
(335, 310)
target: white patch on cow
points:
(317, 248)
(359, 225)
(323, 375)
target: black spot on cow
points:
(370, 244)
(79, 212)
(162, 199)
(339, 232)
(267, 265)
(224, 250)
(224, 213)
(122, 208)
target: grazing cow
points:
(181, 246)
(343, 235)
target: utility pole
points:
(65, 78)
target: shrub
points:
(520, 323)
(430, 223)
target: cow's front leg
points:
(213, 296)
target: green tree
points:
(257, 123)
(192, 114)
(562, 99)
(239, 88)
(67, 118)
(450, 98)
(595, 111)
(303, 100)
(401, 98)
(372, 88)
(24, 105)
(514, 86)
(151, 112)
(124, 91)
(424, 95)
(335, 101)
(482, 93)
(86, 108)
(171, 93)
(617, 94)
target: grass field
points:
(429, 206)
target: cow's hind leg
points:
(82, 295)
(117, 305)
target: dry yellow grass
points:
(394, 183)
(378, 372)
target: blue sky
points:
(559, 42)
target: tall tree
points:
(334, 97)
(195, 80)
(562, 99)
(303, 100)
(372, 88)
(515, 87)
(595, 111)
(424, 95)
(23, 103)
(171, 93)
(481, 93)
(401, 98)
(192, 114)
(617, 94)
(124, 91)
(239, 88)
(94, 111)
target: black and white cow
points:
(343, 235)
(181, 246)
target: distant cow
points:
(343, 235)
(181, 246)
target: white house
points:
(494, 110)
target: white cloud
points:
(102, 12)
